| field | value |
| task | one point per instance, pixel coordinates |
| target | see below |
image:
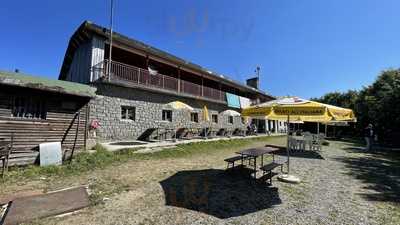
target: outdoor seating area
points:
(306, 141)
(251, 155)
(164, 132)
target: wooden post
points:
(287, 146)
(202, 86)
(86, 125)
(220, 91)
(179, 79)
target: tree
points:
(378, 104)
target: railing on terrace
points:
(138, 76)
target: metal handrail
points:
(133, 74)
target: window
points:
(128, 113)
(194, 117)
(214, 118)
(29, 108)
(230, 119)
(167, 115)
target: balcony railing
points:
(138, 76)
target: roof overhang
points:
(43, 84)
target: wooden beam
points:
(202, 86)
(179, 79)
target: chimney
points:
(252, 82)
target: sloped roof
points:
(87, 28)
(40, 83)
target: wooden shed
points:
(38, 110)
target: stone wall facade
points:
(106, 109)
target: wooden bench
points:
(267, 169)
(232, 160)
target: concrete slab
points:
(111, 146)
(28, 208)
(289, 178)
(9, 197)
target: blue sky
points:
(304, 48)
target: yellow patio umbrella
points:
(179, 105)
(297, 109)
(206, 116)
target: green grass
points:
(102, 158)
(82, 162)
(197, 148)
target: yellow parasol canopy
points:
(299, 110)
(179, 105)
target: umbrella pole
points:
(287, 145)
(326, 130)
(318, 128)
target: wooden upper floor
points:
(136, 64)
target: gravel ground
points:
(195, 190)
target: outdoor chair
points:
(308, 140)
(181, 133)
(221, 132)
(316, 144)
(5, 151)
(162, 134)
(236, 132)
(294, 144)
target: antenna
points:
(111, 39)
(258, 76)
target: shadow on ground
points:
(307, 154)
(380, 171)
(219, 193)
(301, 154)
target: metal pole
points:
(111, 39)
(287, 146)
(318, 128)
(326, 130)
(76, 136)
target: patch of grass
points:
(196, 148)
(101, 158)
(105, 188)
(82, 162)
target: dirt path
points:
(329, 193)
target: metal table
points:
(257, 152)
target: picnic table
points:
(257, 152)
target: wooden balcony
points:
(136, 76)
